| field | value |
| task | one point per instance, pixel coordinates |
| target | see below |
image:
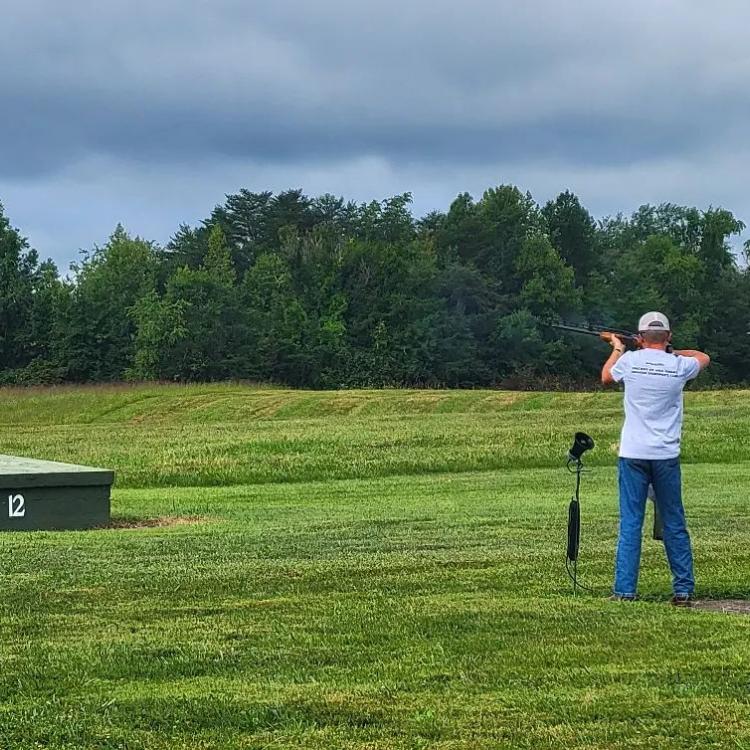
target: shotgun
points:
(630, 339)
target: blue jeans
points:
(635, 475)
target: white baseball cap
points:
(653, 321)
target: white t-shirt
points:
(653, 381)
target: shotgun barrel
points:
(628, 338)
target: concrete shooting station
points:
(46, 495)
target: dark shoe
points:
(682, 600)
(618, 598)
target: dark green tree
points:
(572, 231)
(277, 322)
(100, 331)
(197, 330)
(33, 304)
(19, 269)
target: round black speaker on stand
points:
(581, 443)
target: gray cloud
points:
(154, 110)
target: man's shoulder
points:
(628, 358)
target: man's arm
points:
(617, 351)
(703, 359)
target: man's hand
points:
(614, 341)
(617, 350)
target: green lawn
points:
(371, 569)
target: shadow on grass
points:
(158, 522)
(218, 713)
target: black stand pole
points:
(574, 525)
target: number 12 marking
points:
(16, 506)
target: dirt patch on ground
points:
(728, 606)
(132, 522)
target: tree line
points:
(325, 293)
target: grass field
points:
(370, 569)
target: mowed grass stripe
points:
(222, 435)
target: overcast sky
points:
(148, 113)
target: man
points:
(650, 449)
